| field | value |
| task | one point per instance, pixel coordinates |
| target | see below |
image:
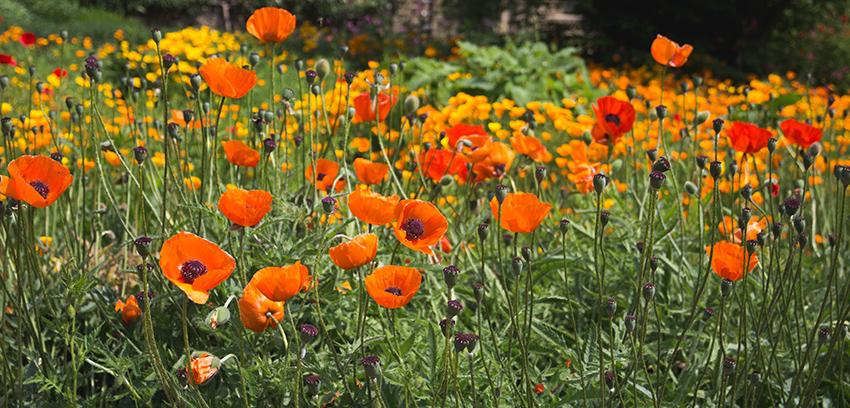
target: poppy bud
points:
(717, 125)
(661, 111)
(453, 307)
(755, 378)
(313, 383)
(526, 253)
(370, 366)
(802, 240)
(792, 204)
(143, 246)
(483, 229)
(167, 61)
(446, 180)
(808, 160)
(450, 274)
(751, 246)
(746, 192)
(661, 165)
(217, 317)
(444, 323)
(729, 366)
(690, 188)
(310, 76)
(799, 224)
(315, 89)
(845, 176)
(39, 87)
(379, 79)
(707, 313)
(586, 137)
(516, 265)
(656, 180)
(831, 113)
(411, 103)
(652, 154)
(630, 323)
(501, 193)
(648, 291)
(611, 306)
(196, 80)
(4, 81)
(156, 35)
(401, 65)
(299, 64)
(599, 182)
(140, 153)
(631, 92)
(684, 86)
(6, 125)
(702, 117)
(323, 68)
(328, 204)
(253, 59)
(564, 226)
(702, 161)
(725, 287)
(715, 169)
(653, 263)
(540, 174)
(393, 68)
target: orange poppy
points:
(497, 163)
(529, 146)
(355, 253)
(393, 286)
(729, 260)
(280, 284)
(748, 138)
(239, 154)
(36, 180)
(480, 149)
(667, 52)
(419, 225)
(271, 24)
(371, 207)
(799, 133)
(194, 265)
(369, 172)
(456, 132)
(522, 212)
(178, 118)
(364, 107)
(254, 309)
(614, 118)
(438, 162)
(754, 227)
(227, 80)
(327, 172)
(129, 311)
(204, 367)
(243, 207)
(582, 174)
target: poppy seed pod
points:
(609, 379)
(450, 274)
(328, 204)
(792, 204)
(253, 59)
(751, 246)
(725, 287)
(661, 165)
(379, 79)
(315, 89)
(656, 180)
(630, 323)
(269, 145)
(808, 160)
(732, 169)
(653, 113)
(506, 239)
(299, 64)
(323, 68)
(684, 86)
(802, 240)
(715, 169)
(845, 177)
(156, 35)
(310, 76)
(755, 378)
(57, 157)
(600, 181)
(799, 224)
(516, 265)
(746, 215)
(444, 325)
(702, 161)
(837, 170)
(652, 154)
(776, 229)
(6, 125)
(690, 188)
(611, 306)
(401, 65)
(143, 246)
(370, 366)
(478, 291)
(173, 130)
(168, 61)
(472, 341)
(349, 77)
(313, 383)
(453, 307)
(729, 366)
(702, 117)
(461, 342)
(540, 173)
(483, 230)
(653, 263)
(831, 239)
(564, 226)
(760, 239)
(526, 253)
(631, 92)
(707, 313)
(781, 209)
(604, 215)
(640, 245)
(308, 333)
(39, 87)
(501, 193)
(661, 111)
(648, 291)
(684, 133)
(717, 125)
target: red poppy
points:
(6, 59)
(419, 225)
(280, 283)
(325, 176)
(614, 118)
(748, 138)
(61, 73)
(667, 52)
(372, 208)
(369, 172)
(27, 39)
(129, 311)
(239, 154)
(438, 162)
(799, 133)
(36, 180)
(355, 253)
(258, 312)
(243, 207)
(364, 107)
(195, 265)
(393, 286)
(521, 212)
(271, 24)
(460, 130)
(729, 260)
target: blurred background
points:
(731, 38)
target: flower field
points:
(214, 219)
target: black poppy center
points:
(191, 270)
(395, 290)
(613, 119)
(320, 176)
(40, 187)
(414, 228)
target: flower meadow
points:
(214, 219)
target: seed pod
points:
(648, 291)
(516, 265)
(483, 229)
(630, 323)
(450, 274)
(611, 306)
(725, 287)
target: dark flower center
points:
(191, 270)
(320, 176)
(41, 188)
(395, 290)
(613, 119)
(414, 229)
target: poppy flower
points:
(364, 107)
(529, 146)
(6, 59)
(582, 175)
(729, 260)
(497, 163)
(60, 73)
(37, 180)
(129, 310)
(438, 162)
(456, 132)
(227, 80)
(667, 52)
(393, 286)
(419, 225)
(355, 253)
(614, 118)
(748, 138)
(243, 207)
(239, 154)
(27, 39)
(271, 24)
(280, 283)
(254, 309)
(372, 208)
(799, 133)
(327, 172)
(754, 227)
(194, 265)
(479, 149)
(522, 212)
(369, 172)
(203, 367)
(177, 117)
